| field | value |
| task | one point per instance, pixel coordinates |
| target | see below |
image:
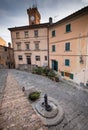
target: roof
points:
(77, 14)
(34, 26)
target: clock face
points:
(32, 18)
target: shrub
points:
(33, 96)
(51, 74)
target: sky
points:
(14, 12)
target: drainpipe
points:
(50, 23)
(48, 45)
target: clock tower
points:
(33, 15)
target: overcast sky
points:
(14, 12)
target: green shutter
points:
(53, 64)
(71, 76)
(53, 33)
(67, 62)
(67, 46)
(62, 73)
(53, 48)
(56, 65)
(68, 28)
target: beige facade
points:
(68, 47)
(64, 42)
(2, 42)
(30, 46)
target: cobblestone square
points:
(73, 99)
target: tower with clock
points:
(33, 15)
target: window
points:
(45, 57)
(37, 46)
(26, 34)
(19, 46)
(53, 48)
(53, 33)
(67, 62)
(5, 48)
(68, 27)
(67, 46)
(17, 35)
(27, 46)
(70, 75)
(37, 58)
(54, 65)
(36, 33)
(20, 57)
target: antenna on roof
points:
(34, 4)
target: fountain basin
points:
(49, 118)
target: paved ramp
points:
(16, 112)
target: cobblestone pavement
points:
(74, 101)
(16, 112)
(3, 75)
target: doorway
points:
(28, 59)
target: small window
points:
(67, 74)
(20, 57)
(36, 46)
(36, 33)
(53, 33)
(45, 57)
(67, 46)
(67, 62)
(53, 48)
(27, 46)
(18, 46)
(17, 35)
(68, 27)
(26, 34)
(37, 58)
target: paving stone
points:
(72, 98)
(16, 112)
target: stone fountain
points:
(50, 112)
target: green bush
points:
(33, 96)
(51, 74)
(47, 72)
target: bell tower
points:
(33, 15)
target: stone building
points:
(6, 57)
(63, 45)
(2, 42)
(68, 47)
(30, 43)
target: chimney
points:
(50, 20)
(9, 44)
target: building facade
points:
(63, 45)
(2, 42)
(68, 47)
(6, 57)
(30, 42)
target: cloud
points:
(85, 1)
